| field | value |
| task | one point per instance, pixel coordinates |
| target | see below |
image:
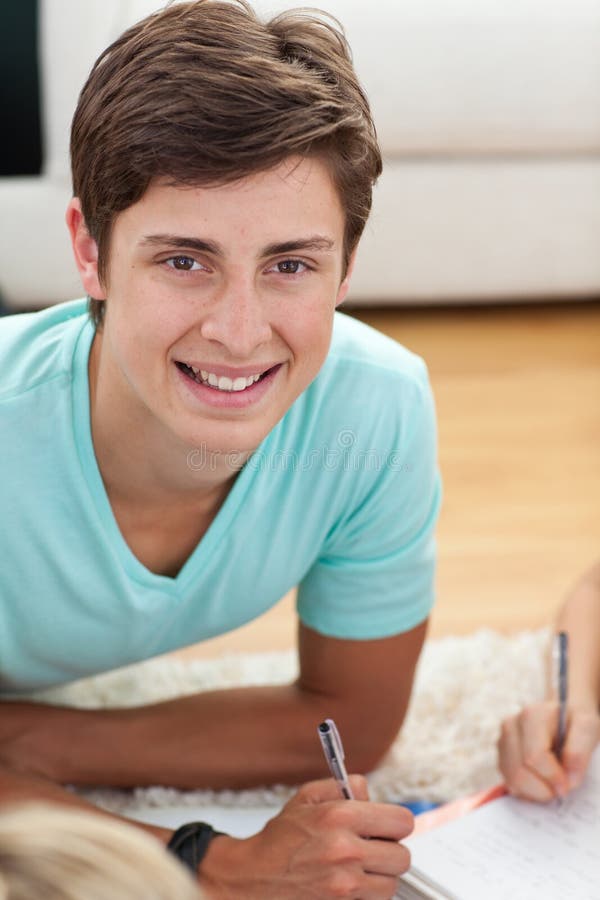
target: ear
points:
(85, 251)
(345, 284)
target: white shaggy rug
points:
(464, 687)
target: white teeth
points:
(222, 382)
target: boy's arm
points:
(526, 743)
(235, 738)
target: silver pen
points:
(334, 754)
(561, 670)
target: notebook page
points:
(238, 821)
(512, 848)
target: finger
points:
(530, 786)
(386, 821)
(509, 749)
(322, 791)
(351, 882)
(359, 786)
(582, 737)
(520, 780)
(377, 887)
(386, 858)
(327, 789)
(538, 725)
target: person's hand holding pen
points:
(326, 842)
(545, 750)
(319, 846)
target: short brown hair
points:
(204, 93)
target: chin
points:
(235, 442)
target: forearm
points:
(219, 739)
(238, 738)
(580, 617)
(16, 788)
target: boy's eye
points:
(182, 263)
(290, 266)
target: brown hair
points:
(204, 93)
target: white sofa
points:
(488, 113)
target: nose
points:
(238, 319)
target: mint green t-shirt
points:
(341, 499)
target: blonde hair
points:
(62, 854)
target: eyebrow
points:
(316, 242)
(177, 241)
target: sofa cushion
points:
(471, 76)
(73, 34)
(36, 261)
(477, 76)
(481, 230)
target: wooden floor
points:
(518, 398)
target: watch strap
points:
(190, 842)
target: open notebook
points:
(509, 848)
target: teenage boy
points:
(214, 434)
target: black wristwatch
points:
(190, 843)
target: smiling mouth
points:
(221, 382)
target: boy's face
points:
(220, 302)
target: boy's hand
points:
(319, 846)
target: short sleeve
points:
(375, 575)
